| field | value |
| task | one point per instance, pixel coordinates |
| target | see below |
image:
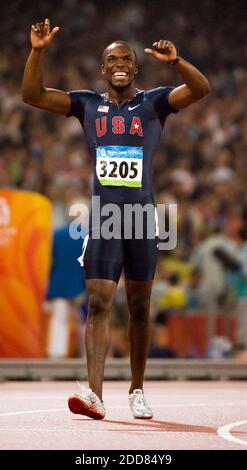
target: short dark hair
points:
(120, 43)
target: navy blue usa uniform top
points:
(122, 140)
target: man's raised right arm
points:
(33, 90)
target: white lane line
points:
(14, 413)
(168, 405)
(146, 431)
(176, 405)
(225, 432)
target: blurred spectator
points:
(213, 257)
(160, 337)
(219, 347)
(241, 294)
(194, 292)
(174, 297)
(66, 290)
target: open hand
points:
(41, 36)
(163, 50)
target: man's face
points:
(119, 67)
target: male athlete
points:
(122, 128)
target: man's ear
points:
(103, 69)
(136, 69)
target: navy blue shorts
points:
(137, 257)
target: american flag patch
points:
(103, 109)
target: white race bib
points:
(119, 165)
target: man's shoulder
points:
(160, 90)
(159, 97)
(82, 98)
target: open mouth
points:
(120, 75)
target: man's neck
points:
(121, 95)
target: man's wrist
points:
(38, 49)
(175, 61)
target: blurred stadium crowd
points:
(201, 164)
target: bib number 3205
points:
(113, 170)
(118, 167)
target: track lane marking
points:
(168, 405)
(224, 432)
(15, 413)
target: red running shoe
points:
(87, 404)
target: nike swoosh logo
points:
(133, 107)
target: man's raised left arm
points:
(195, 86)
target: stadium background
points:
(201, 163)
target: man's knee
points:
(139, 308)
(99, 304)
